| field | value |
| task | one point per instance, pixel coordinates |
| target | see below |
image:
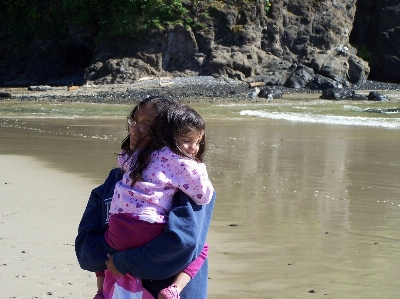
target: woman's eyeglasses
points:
(141, 127)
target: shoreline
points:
(187, 89)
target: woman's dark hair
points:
(169, 126)
(159, 104)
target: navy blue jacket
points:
(161, 259)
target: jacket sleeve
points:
(90, 246)
(171, 252)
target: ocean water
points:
(301, 108)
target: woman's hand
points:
(111, 267)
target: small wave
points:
(383, 111)
(372, 110)
(352, 108)
(325, 119)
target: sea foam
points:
(392, 123)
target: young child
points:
(143, 198)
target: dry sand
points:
(38, 225)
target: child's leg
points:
(109, 281)
(99, 281)
(173, 291)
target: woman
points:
(158, 261)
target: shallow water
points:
(310, 201)
(302, 206)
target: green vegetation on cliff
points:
(25, 20)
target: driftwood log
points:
(5, 95)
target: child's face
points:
(190, 142)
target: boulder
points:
(376, 96)
(322, 83)
(270, 93)
(358, 70)
(341, 94)
(300, 77)
(5, 94)
(121, 70)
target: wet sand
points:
(302, 210)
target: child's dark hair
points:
(169, 126)
(175, 122)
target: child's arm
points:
(194, 181)
(195, 266)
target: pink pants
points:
(125, 232)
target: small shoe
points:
(99, 295)
(169, 293)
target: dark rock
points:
(270, 93)
(92, 72)
(389, 68)
(300, 77)
(359, 97)
(5, 95)
(120, 70)
(357, 72)
(376, 35)
(321, 83)
(376, 96)
(179, 54)
(335, 68)
(272, 79)
(341, 94)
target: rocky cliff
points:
(376, 33)
(314, 44)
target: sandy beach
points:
(302, 209)
(38, 215)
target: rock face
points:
(376, 35)
(315, 34)
(299, 44)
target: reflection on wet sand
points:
(312, 205)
